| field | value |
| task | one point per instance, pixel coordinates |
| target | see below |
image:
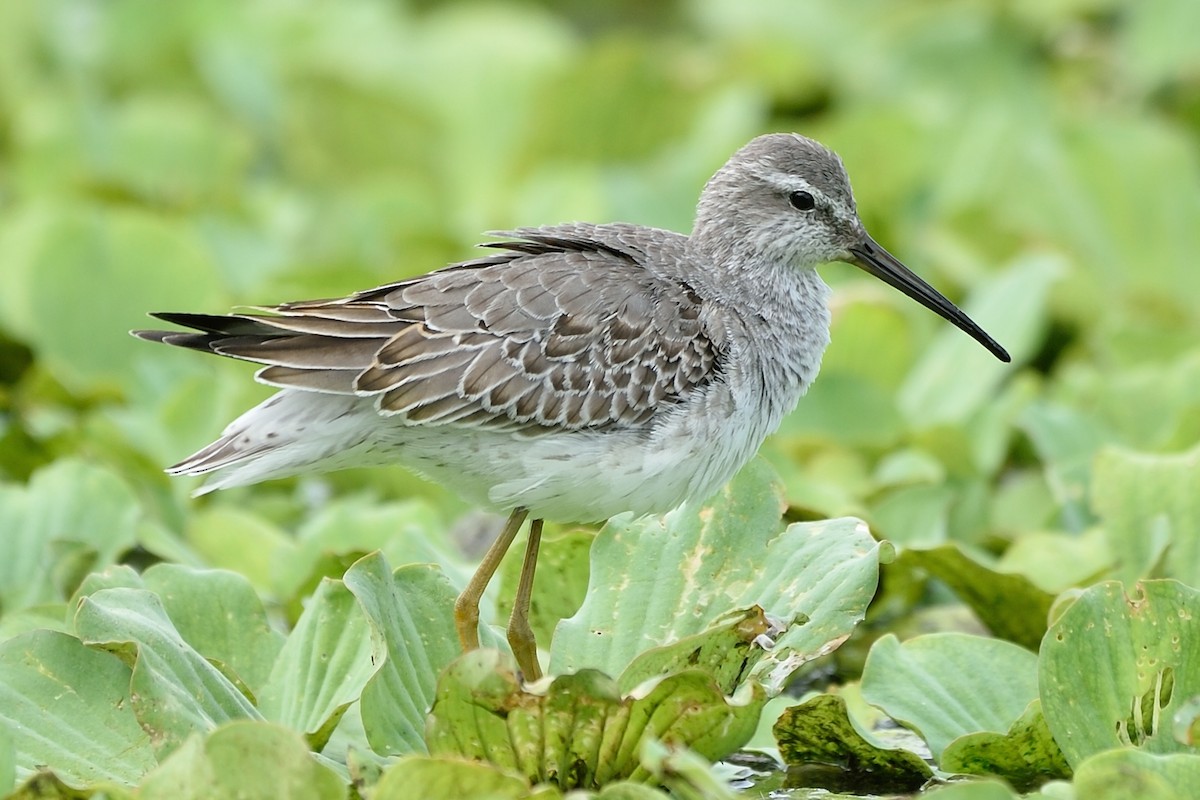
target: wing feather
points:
(566, 328)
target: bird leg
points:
(466, 607)
(520, 634)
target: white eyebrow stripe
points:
(794, 183)
(787, 182)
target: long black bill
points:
(883, 265)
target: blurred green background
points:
(1035, 159)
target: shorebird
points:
(578, 372)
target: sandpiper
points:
(579, 372)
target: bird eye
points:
(802, 201)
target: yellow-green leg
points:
(466, 607)
(520, 634)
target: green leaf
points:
(914, 515)
(1152, 402)
(657, 580)
(1010, 605)
(82, 255)
(175, 691)
(411, 614)
(1066, 440)
(66, 706)
(219, 614)
(232, 538)
(971, 790)
(1186, 725)
(561, 585)
(1124, 773)
(1055, 562)
(1026, 756)
(871, 338)
(68, 505)
(46, 785)
(682, 772)
(728, 651)
(955, 377)
(174, 148)
(946, 685)
(578, 731)
(1145, 160)
(845, 408)
(626, 790)
(618, 82)
(1021, 502)
(820, 734)
(1149, 644)
(8, 758)
(406, 533)
(324, 664)
(49, 616)
(1137, 493)
(113, 577)
(1155, 45)
(447, 778)
(246, 758)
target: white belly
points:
(589, 476)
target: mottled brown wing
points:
(554, 333)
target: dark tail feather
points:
(213, 328)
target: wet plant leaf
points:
(1026, 755)
(683, 773)
(452, 778)
(1149, 643)
(947, 685)
(820, 733)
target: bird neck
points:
(782, 309)
(746, 270)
